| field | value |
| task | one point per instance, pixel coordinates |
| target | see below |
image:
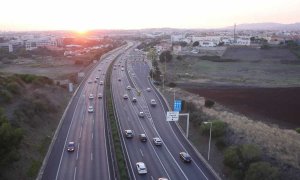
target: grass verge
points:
(120, 159)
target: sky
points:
(83, 15)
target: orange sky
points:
(134, 14)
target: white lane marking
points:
(141, 152)
(78, 151)
(92, 135)
(80, 132)
(91, 156)
(62, 153)
(75, 173)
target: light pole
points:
(209, 138)
(162, 75)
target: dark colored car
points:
(185, 157)
(71, 147)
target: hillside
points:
(33, 105)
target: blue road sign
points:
(177, 105)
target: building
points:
(243, 41)
(176, 49)
(40, 42)
(177, 38)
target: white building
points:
(177, 38)
(176, 49)
(243, 41)
(207, 44)
(40, 42)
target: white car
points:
(141, 168)
(101, 82)
(153, 102)
(97, 77)
(125, 96)
(157, 141)
(90, 81)
(141, 114)
(129, 133)
(148, 89)
(128, 88)
(122, 69)
(91, 96)
(100, 96)
(90, 109)
(134, 99)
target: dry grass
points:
(281, 144)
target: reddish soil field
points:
(276, 105)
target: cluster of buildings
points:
(29, 42)
(224, 39)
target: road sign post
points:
(172, 116)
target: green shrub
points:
(5, 96)
(34, 168)
(298, 130)
(261, 170)
(13, 87)
(221, 143)
(172, 84)
(209, 103)
(218, 128)
(238, 158)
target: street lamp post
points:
(208, 153)
(163, 80)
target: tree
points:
(152, 55)
(165, 56)
(262, 170)
(196, 43)
(10, 139)
(183, 43)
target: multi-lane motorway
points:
(92, 158)
(161, 161)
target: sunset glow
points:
(132, 14)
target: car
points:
(157, 141)
(141, 168)
(125, 96)
(119, 79)
(122, 69)
(156, 82)
(162, 178)
(100, 96)
(185, 157)
(143, 137)
(141, 114)
(128, 88)
(134, 99)
(100, 69)
(148, 89)
(128, 133)
(97, 77)
(95, 81)
(71, 146)
(90, 81)
(153, 102)
(115, 68)
(91, 96)
(90, 109)
(101, 82)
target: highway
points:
(161, 161)
(91, 159)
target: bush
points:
(13, 87)
(209, 103)
(261, 170)
(172, 84)
(218, 128)
(240, 157)
(179, 58)
(34, 168)
(5, 96)
(298, 130)
(221, 143)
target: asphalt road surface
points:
(131, 70)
